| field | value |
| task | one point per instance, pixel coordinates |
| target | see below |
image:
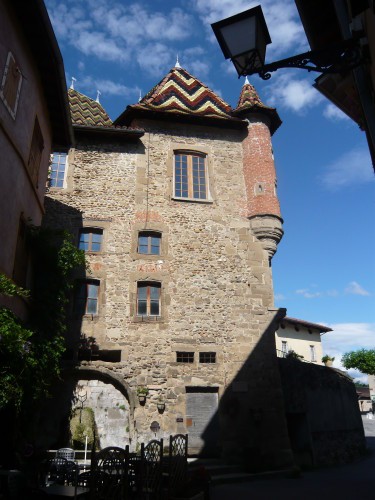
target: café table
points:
(65, 491)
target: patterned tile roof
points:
(250, 101)
(181, 93)
(86, 111)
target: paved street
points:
(346, 482)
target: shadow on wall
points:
(277, 412)
(249, 426)
(324, 421)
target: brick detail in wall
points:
(259, 172)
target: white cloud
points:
(279, 297)
(333, 113)
(355, 288)
(305, 292)
(296, 95)
(347, 337)
(352, 168)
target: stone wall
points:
(215, 277)
(324, 421)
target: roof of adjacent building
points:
(86, 111)
(90, 118)
(250, 101)
(306, 324)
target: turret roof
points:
(250, 101)
(86, 111)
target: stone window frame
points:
(10, 63)
(91, 230)
(142, 277)
(149, 235)
(185, 357)
(198, 149)
(198, 349)
(150, 299)
(207, 357)
(154, 227)
(94, 223)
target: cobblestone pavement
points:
(346, 482)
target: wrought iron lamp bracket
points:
(337, 59)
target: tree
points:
(362, 360)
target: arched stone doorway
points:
(109, 399)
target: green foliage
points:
(326, 358)
(80, 429)
(293, 355)
(31, 353)
(142, 391)
(362, 360)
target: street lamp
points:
(243, 38)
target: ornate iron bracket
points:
(336, 59)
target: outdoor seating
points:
(176, 470)
(109, 473)
(67, 453)
(149, 485)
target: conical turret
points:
(263, 209)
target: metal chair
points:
(110, 473)
(150, 484)
(177, 464)
(67, 453)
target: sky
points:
(324, 269)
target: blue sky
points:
(324, 269)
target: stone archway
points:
(111, 401)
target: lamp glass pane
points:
(240, 36)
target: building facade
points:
(175, 204)
(34, 118)
(302, 337)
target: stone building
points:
(175, 205)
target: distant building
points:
(302, 337)
(34, 119)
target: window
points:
(21, 257)
(11, 85)
(284, 347)
(184, 357)
(207, 357)
(312, 353)
(148, 299)
(87, 296)
(36, 149)
(190, 176)
(149, 243)
(90, 239)
(58, 169)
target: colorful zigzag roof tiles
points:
(86, 111)
(179, 92)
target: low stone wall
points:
(324, 421)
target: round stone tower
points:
(263, 209)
